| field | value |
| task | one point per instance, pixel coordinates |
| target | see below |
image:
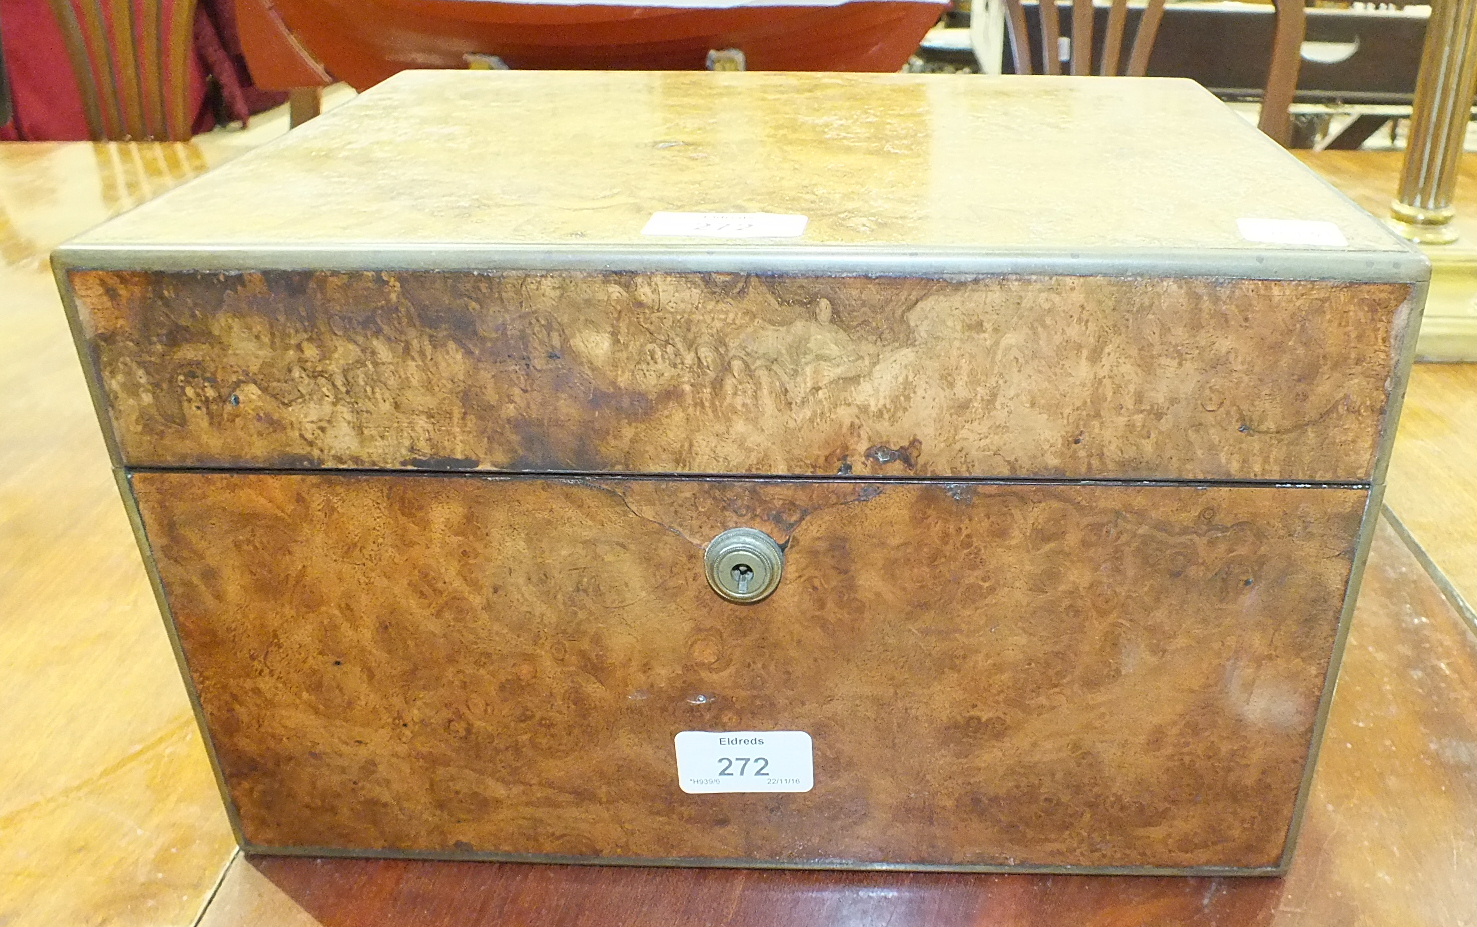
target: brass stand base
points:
(1427, 226)
(1449, 326)
(1423, 233)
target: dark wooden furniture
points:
(1282, 71)
(1073, 471)
(1039, 25)
(1357, 56)
(1109, 51)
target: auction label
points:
(1292, 232)
(745, 761)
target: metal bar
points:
(706, 862)
(1422, 210)
(1396, 265)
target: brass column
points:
(1438, 127)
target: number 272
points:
(761, 766)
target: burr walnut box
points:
(757, 469)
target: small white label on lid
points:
(745, 761)
(1292, 232)
(725, 225)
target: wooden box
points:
(1067, 403)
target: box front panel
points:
(990, 674)
(1050, 376)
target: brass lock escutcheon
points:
(744, 565)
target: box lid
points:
(996, 278)
(893, 173)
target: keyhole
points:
(743, 574)
(743, 565)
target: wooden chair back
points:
(1282, 72)
(1080, 62)
(132, 62)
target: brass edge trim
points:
(1373, 507)
(161, 596)
(1367, 527)
(1414, 311)
(826, 261)
(724, 863)
(91, 367)
(1443, 582)
(630, 476)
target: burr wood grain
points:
(748, 374)
(992, 674)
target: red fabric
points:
(227, 62)
(48, 104)
(48, 101)
(212, 50)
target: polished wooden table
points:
(108, 814)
